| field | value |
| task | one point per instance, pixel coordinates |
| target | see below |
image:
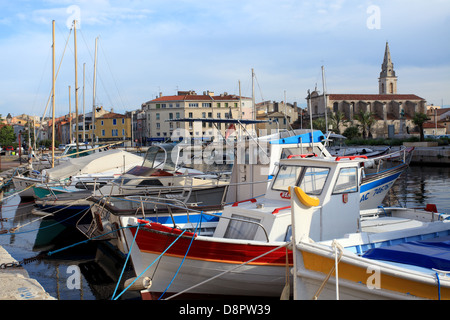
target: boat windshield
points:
(159, 157)
(72, 149)
(310, 179)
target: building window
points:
(170, 105)
(178, 105)
(158, 125)
(115, 132)
(102, 122)
(177, 115)
(114, 122)
(123, 132)
(171, 115)
(218, 104)
(103, 133)
(158, 106)
(163, 105)
(123, 120)
(157, 116)
(206, 105)
(193, 105)
(190, 115)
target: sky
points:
(153, 46)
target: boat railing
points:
(177, 204)
(387, 161)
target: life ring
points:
(304, 198)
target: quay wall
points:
(433, 155)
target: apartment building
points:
(190, 105)
(113, 127)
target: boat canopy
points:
(94, 163)
(310, 137)
(433, 253)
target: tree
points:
(336, 119)
(366, 119)
(319, 124)
(419, 119)
(351, 132)
(7, 136)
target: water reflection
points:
(421, 185)
(93, 266)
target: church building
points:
(392, 111)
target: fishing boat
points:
(341, 252)
(379, 174)
(337, 147)
(248, 254)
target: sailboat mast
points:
(93, 103)
(253, 100)
(84, 114)
(53, 93)
(76, 81)
(70, 119)
(240, 111)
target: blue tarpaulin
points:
(433, 253)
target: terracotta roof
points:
(197, 97)
(112, 115)
(374, 97)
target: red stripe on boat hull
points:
(156, 241)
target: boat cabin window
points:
(310, 179)
(314, 180)
(238, 229)
(287, 176)
(346, 181)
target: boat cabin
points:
(328, 187)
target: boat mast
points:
(84, 114)
(76, 81)
(240, 112)
(253, 101)
(93, 103)
(70, 119)
(325, 99)
(310, 118)
(53, 94)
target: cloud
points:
(162, 45)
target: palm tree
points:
(419, 119)
(336, 119)
(366, 120)
(319, 124)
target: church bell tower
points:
(387, 83)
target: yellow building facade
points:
(113, 127)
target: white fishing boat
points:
(248, 254)
(380, 172)
(341, 252)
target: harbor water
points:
(91, 270)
